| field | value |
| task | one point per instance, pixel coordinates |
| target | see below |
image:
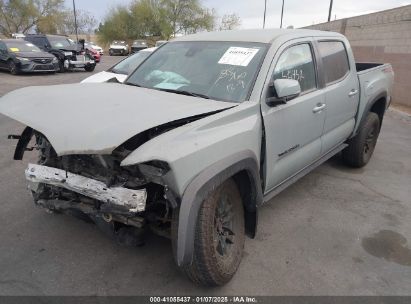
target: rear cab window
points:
(335, 61)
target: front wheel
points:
(89, 68)
(219, 237)
(62, 68)
(14, 70)
(361, 147)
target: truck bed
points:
(374, 79)
(363, 66)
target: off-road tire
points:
(361, 147)
(209, 267)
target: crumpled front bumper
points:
(78, 61)
(133, 200)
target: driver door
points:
(293, 130)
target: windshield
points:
(19, 46)
(160, 43)
(60, 42)
(130, 63)
(218, 70)
(119, 42)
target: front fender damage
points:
(122, 200)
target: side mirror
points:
(285, 90)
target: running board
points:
(291, 180)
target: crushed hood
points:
(96, 118)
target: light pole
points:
(265, 11)
(282, 14)
(330, 10)
(75, 19)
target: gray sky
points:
(296, 12)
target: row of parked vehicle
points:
(48, 53)
(120, 47)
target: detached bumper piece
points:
(133, 200)
(78, 61)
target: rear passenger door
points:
(293, 130)
(341, 91)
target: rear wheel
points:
(219, 237)
(361, 147)
(13, 68)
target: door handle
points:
(353, 93)
(319, 107)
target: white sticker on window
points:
(238, 56)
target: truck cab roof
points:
(256, 35)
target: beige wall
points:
(381, 37)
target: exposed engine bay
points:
(122, 201)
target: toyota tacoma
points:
(202, 133)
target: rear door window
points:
(335, 60)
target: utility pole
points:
(75, 19)
(330, 10)
(265, 11)
(282, 14)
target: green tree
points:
(85, 22)
(147, 18)
(185, 17)
(117, 25)
(229, 22)
(160, 18)
(21, 16)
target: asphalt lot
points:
(337, 231)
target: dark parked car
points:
(138, 45)
(21, 56)
(70, 54)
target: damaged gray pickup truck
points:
(204, 131)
